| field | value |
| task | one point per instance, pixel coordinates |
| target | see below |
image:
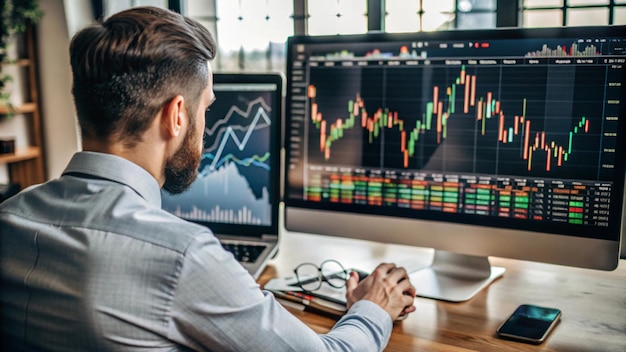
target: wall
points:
(61, 20)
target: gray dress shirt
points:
(90, 262)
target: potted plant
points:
(15, 15)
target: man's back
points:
(74, 268)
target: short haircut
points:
(126, 68)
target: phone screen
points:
(530, 323)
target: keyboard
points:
(246, 253)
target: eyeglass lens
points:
(334, 273)
(310, 276)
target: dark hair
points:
(128, 67)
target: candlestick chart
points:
(533, 121)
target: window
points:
(113, 6)
(474, 14)
(554, 13)
(412, 16)
(251, 34)
(337, 17)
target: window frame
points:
(508, 13)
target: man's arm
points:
(219, 306)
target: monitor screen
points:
(237, 188)
(505, 142)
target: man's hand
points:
(387, 286)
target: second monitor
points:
(504, 142)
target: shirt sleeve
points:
(219, 306)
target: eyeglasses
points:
(311, 276)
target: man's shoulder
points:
(165, 229)
(108, 208)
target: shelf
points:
(25, 108)
(20, 155)
(18, 62)
(27, 165)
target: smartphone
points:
(530, 323)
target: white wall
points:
(61, 20)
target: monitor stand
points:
(454, 277)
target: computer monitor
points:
(504, 142)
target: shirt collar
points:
(117, 169)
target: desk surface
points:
(593, 302)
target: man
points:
(90, 261)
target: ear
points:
(174, 117)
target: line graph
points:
(259, 108)
(235, 110)
(233, 179)
(256, 160)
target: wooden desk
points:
(593, 302)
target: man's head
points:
(128, 68)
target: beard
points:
(181, 169)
